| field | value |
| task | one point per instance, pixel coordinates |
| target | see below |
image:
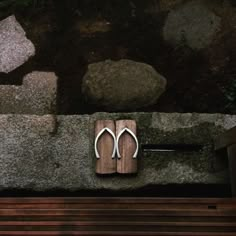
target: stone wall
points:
(56, 152)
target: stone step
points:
(37, 95)
(48, 152)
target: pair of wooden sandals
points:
(116, 146)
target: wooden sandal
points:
(127, 146)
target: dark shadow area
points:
(193, 191)
(69, 35)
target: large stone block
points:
(56, 152)
(37, 95)
(15, 48)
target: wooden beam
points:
(226, 139)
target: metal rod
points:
(171, 147)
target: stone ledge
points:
(56, 152)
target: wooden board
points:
(226, 139)
(105, 164)
(225, 144)
(231, 150)
(126, 164)
(118, 216)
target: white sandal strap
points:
(97, 138)
(135, 138)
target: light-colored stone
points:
(122, 85)
(37, 95)
(15, 48)
(192, 24)
(56, 152)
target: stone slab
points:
(56, 152)
(37, 95)
(15, 48)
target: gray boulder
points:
(15, 48)
(192, 24)
(122, 85)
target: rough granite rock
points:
(37, 95)
(15, 48)
(122, 85)
(192, 24)
(56, 152)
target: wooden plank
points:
(226, 139)
(231, 150)
(113, 212)
(119, 228)
(100, 229)
(118, 223)
(126, 216)
(105, 164)
(113, 203)
(121, 206)
(226, 144)
(116, 205)
(113, 233)
(126, 164)
(134, 218)
(116, 200)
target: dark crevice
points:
(183, 190)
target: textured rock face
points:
(56, 152)
(33, 158)
(37, 95)
(15, 48)
(122, 85)
(191, 24)
(166, 5)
